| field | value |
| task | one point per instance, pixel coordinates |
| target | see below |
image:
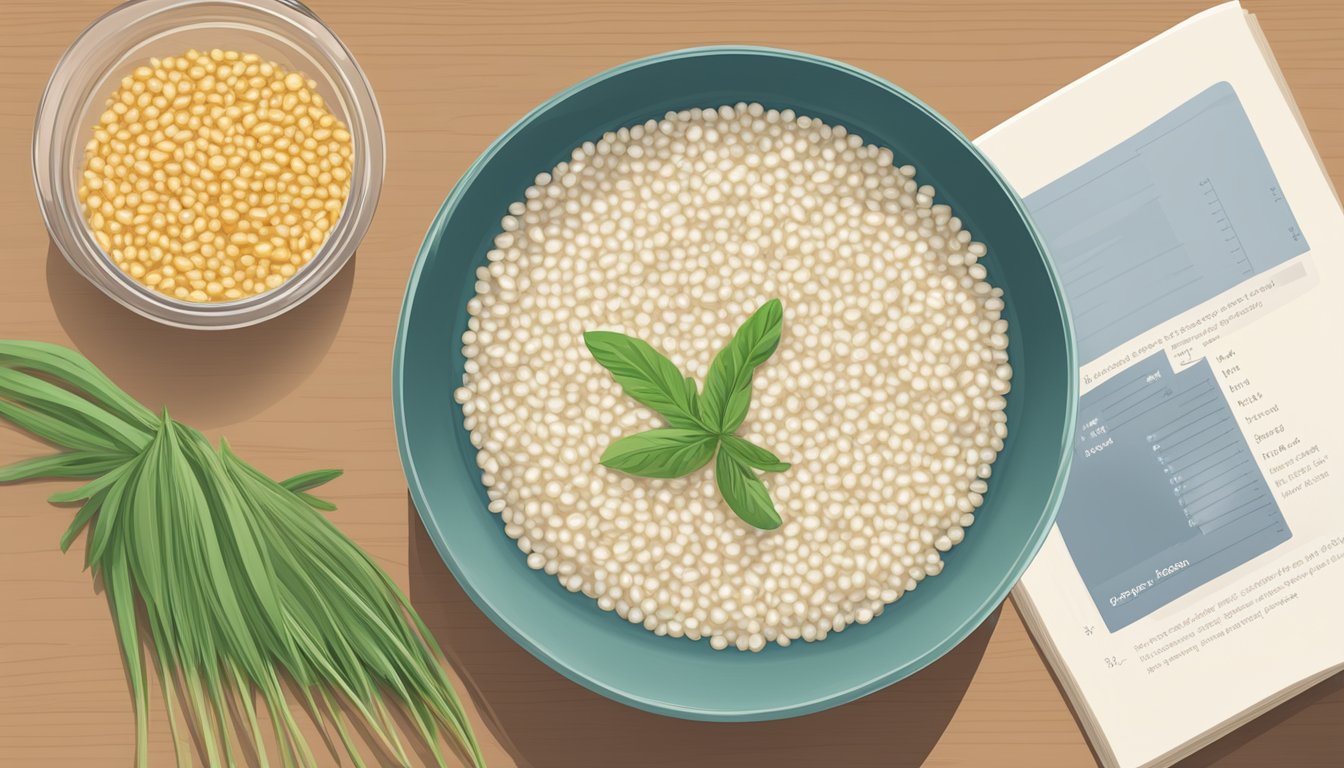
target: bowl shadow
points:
(546, 721)
(205, 378)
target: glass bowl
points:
(282, 31)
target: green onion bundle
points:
(239, 586)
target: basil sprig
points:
(699, 425)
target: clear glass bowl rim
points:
(116, 31)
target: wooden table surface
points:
(313, 388)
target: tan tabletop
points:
(312, 389)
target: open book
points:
(1194, 578)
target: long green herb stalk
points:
(239, 586)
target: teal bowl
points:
(676, 676)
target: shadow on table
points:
(546, 721)
(205, 378)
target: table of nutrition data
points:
(1164, 494)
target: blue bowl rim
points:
(536, 646)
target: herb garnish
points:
(699, 424)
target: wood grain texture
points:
(313, 388)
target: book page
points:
(1199, 549)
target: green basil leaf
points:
(646, 376)
(662, 453)
(753, 455)
(728, 386)
(745, 493)
(693, 396)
